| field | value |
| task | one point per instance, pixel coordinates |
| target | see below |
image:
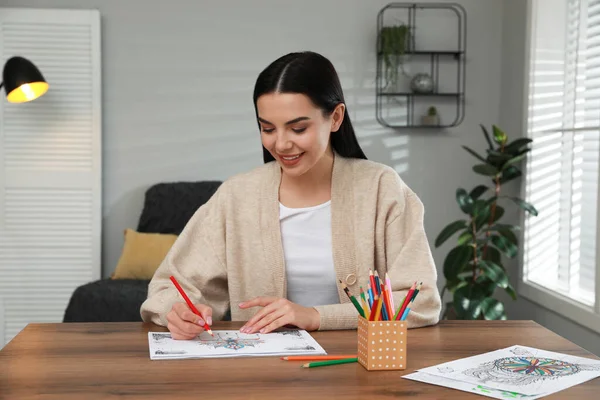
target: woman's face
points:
(295, 131)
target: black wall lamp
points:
(23, 82)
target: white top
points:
(307, 249)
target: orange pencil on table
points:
(191, 305)
(319, 358)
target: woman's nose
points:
(283, 143)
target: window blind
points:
(562, 171)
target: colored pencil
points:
(332, 362)
(352, 298)
(191, 305)
(398, 311)
(384, 306)
(377, 282)
(372, 287)
(388, 284)
(318, 358)
(405, 314)
(374, 308)
(388, 305)
(364, 303)
(407, 299)
(417, 290)
(371, 297)
(378, 310)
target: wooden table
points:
(110, 360)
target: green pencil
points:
(330, 362)
(353, 299)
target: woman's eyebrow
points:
(293, 121)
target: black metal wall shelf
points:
(402, 101)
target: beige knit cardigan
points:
(231, 250)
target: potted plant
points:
(431, 118)
(474, 268)
(394, 41)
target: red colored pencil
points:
(191, 305)
(372, 281)
(406, 301)
(376, 301)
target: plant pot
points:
(430, 120)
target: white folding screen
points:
(50, 167)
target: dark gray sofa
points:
(167, 208)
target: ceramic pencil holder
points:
(382, 344)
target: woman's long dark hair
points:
(313, 75)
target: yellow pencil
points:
(378, 310)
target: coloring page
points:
(233, 344)
(520, 369)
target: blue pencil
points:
(405, 314)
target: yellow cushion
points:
(142, 254)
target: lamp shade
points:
(22, 80)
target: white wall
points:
(512, 113)
(178, 79)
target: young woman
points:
(272, 244)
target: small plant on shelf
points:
(431, 118)
(394, 43)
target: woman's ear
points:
(337, 117)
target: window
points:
(560, 264)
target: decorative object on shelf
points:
(432, 117)
(394, 42)
(398, 48)
(473, 268)
(421, 83)
(22, 80)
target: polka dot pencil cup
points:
(382, 344)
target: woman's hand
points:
(277, 312)
(184, 324)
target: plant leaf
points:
(499, 135)
(516, 145)
(482, 217)
(497, 227)
(464, 200)
(455, 285)
(492, 309)
(485, 169)
(467, 301)
(504, 245)
(525, 206)
(487, 136)
(474, 153)
(450, 230)
(456, 259)
(465, 238)
(492, 254)
(508, 234)
(511, 291)
(509, 174)
(498, 213)
(514, 160)
(494, 273)
(497, 158)
(478, 191)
